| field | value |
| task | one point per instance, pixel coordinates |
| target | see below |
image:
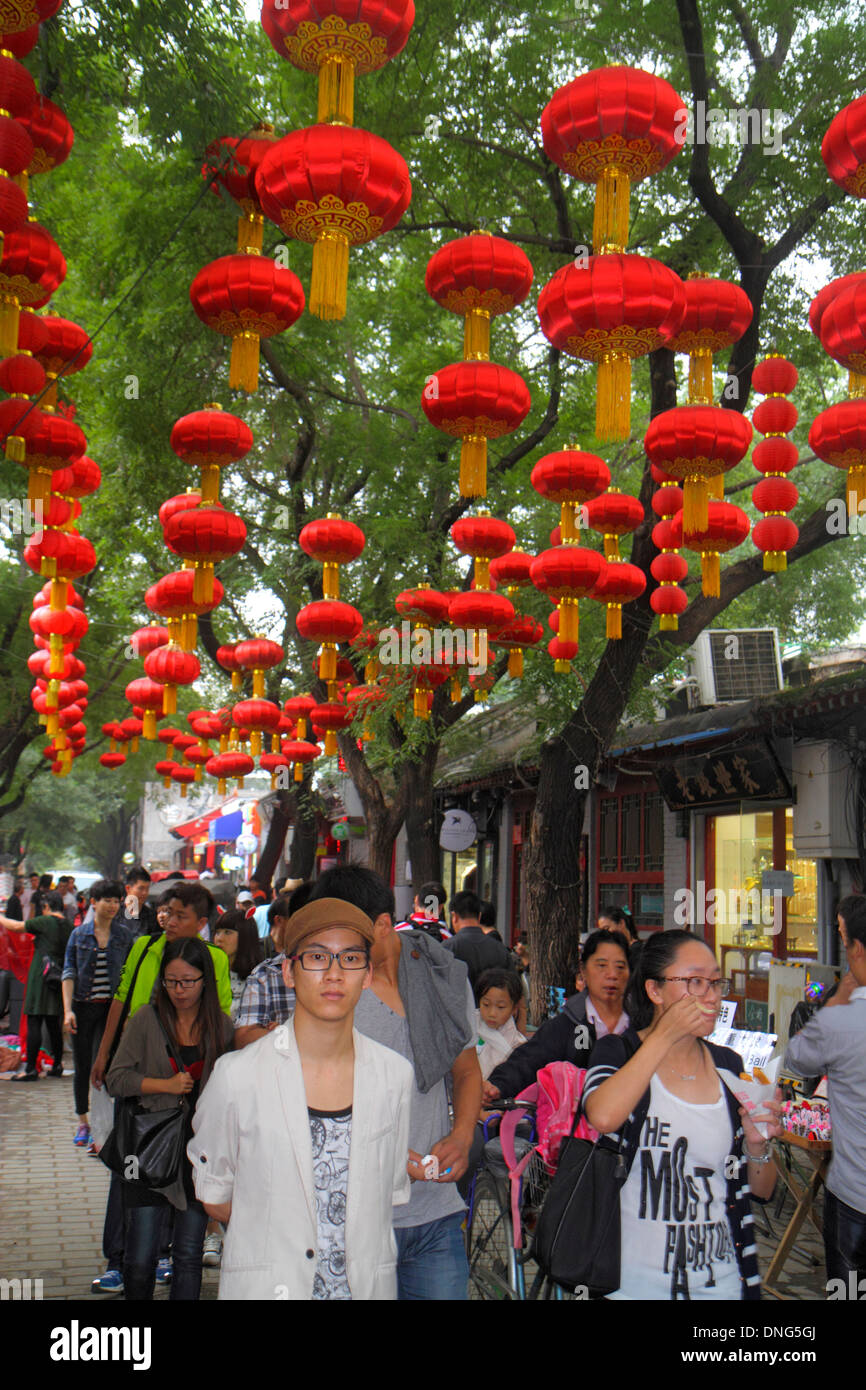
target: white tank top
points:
(676, 1240)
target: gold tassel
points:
(251, 232)
(183, 791)
(240, 784)
(613, 401)
(701, 377)
(775, 561)
(302, 729)
(169, 699)
(856, 385)
(259, 684)
(148, 724)
(255, 742)
(611, 548)
(371, 669)
(222, 786)
(197, 776)
(456, 690)
(710, 574)
(275, 743)
(716, 487)
(331, 745)
(568, 529)
(166, 782)
(202, 584)
(9, 315)
(237, 680)
(561, 668)
(331, 580)
(473, 466)
(210, 484)
(51, 724)
(856, 488)
(482, 572)
(327, 662)
(613, 627)
(669, 622)
(49, 399)
(336, 90)
(476, 336)
(610, 219)
(569, 620)
(244, 363)
(330, 280)
(298, 773)
(420, 707)
(696, 516)
(23, 182)
(16, 452)
(515, 663)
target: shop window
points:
(609, 859)
(631, 828)
(653, 832)
(631, 854)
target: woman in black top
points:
(42, 1001)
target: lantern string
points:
(68, 366)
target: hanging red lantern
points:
(20, 15)
(475, 401)
(22, 43)
(696, 443)
(775, 376)
(299, 751)
(484, 538)
(329, 621)
(112, 760)
(16, 152)
(479, 276)
(227, 659)
(424, 606)
(182, 776)
(570, 477)
(131, 728)
(332, 542)
(21, 375)
(843, 148)
(335, 187)
(211, 439)
(339, 40)
(172, 598)
(60, 555)
(563, 653)
(247, 297)
(51, 134)
(775, 415)
(523, 632)
(478, 610)
(50, 443)
(172, 667)
(67, 349)
(825, 297)
(149, 695)
(332, 717)
(512, 571)
(31, 270)
(774, 495)
(164, 769)
(568, 573)
(206, 536)
(258, 716)
(667, 500)
(717, 315)
(669, 569)
(300, 708)
(257, 655)
(614, 514)
(234, 161)
(614, 309)
(618, 583)
(728, 526)
(838, 437)
(183, 502)
(613, 127)
(80, 478)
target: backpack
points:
(557, 1091)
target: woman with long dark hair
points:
(236, 933)
(692, 1155)
(186, 1022)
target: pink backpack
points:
(556, 1091)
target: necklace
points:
(682, 1075)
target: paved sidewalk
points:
(52, 1195)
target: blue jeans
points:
(844, 1240)
(143, 1239)
(431, 1261)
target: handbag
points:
(124, 1013)
(52, 973)
(146, 1147)
(578, 1234)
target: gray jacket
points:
(141, 1053)
(834, 1042)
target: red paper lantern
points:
(172, 667)
(613, 127)
(332, 717)
(843, 148)
(51, 134)
(618, 583)
(60, 555)
(563, 654)
(257, 655)
(299, 751)
(333, 542)
(184, 502)
(67, 349)
(148, 695)
(112, 760)
(205, 536)
(211, 439)
(300, 708)
(256, 715)
(717, 315)
(479, 610)
(22, 43)
(484, 538)
(512, 570)
(775, 415)
(669, 569)
(182, 776)
(425, 606)
(523, 632)
(21, 375)
(570, 477)
(475, 401)
(825, 297)
(614, 514)
(234, 162)
(79, 479)
(20, 15)
(610, 311)
(727, 527)
(247, 297)
(695, 444)
(165, 767)
(173, 598)
(568, 573)
(838, 437)
(329, 621)
(338, 39)
(335, 187)
(478, 276)
(31, 269)
(775, 376)
(227, 659)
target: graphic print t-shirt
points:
(676, 1239)
(331, 1133)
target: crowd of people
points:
(298, 1085)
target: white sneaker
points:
(212, 1251)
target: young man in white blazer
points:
(301, 1140)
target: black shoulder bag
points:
(146, 1147)
(577, 1237)
(124, 1013)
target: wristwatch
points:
(765, 1158)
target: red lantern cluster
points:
(775, 496)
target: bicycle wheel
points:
(489, 1242)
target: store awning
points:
(192, 829)
(227, 827)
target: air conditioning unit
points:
(734, 664)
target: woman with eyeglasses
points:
(693, 1156)
(183, 1025)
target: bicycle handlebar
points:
(503, 1105)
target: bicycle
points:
(503, 1210)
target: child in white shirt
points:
(498, 994)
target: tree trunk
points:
(281, 819)
(421, 818)
(302, 855)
